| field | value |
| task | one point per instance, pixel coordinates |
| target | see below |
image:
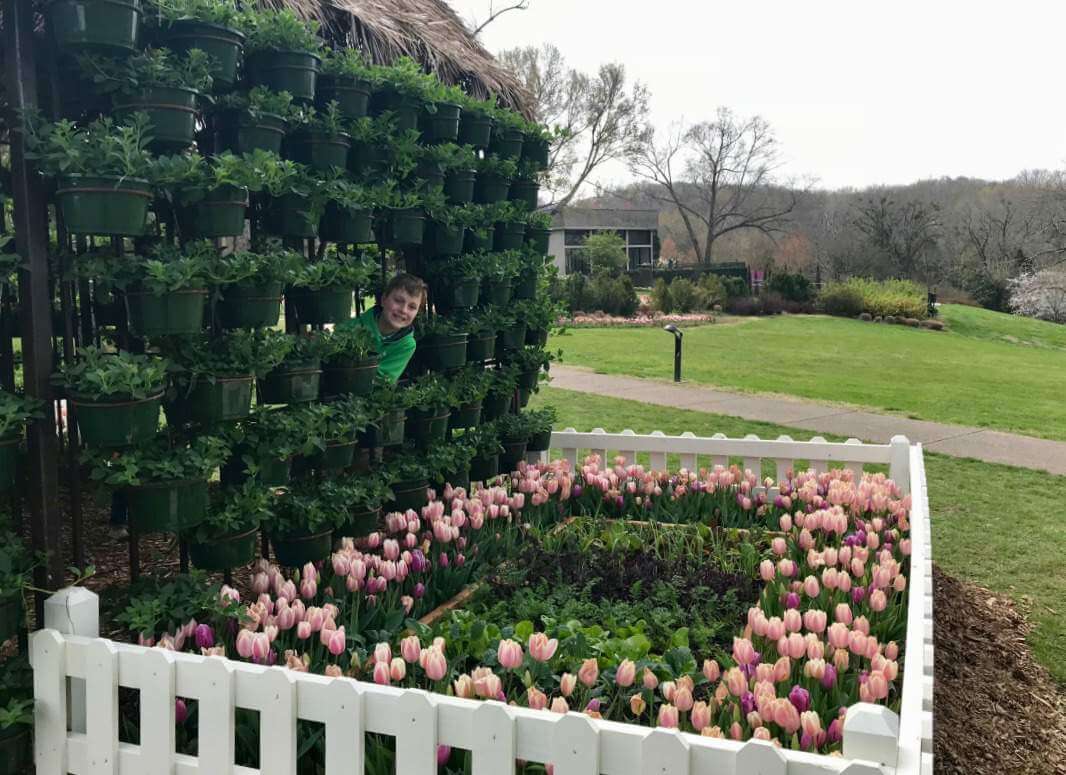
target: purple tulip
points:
(835, 732)
(577, 490)
(800, 698)
(829, 678)
(594, 706)
(444, 560)
(205, 636)
(420, 590)
(747, 702)
(792, 600)
(858, 594)
(180, 711)
(444, 753)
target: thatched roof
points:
(427, 31)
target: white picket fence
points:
(77, 678)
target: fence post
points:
(871, 732)
(74, 611)
(899, 467)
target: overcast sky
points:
(858, 93)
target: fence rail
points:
(77, 680)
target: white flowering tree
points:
(1040, 295)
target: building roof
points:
(602, 218)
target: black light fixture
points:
(677, 349)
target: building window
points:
(639, 256)
(576, 262)
(575, 237)
(639, 237)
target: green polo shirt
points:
(396, 349)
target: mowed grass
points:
(989, 370)
(996, 525)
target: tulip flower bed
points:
(770, 637)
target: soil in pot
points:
(95, 25)
(249, 306)
(443, 353)
(318, 150)
(291, 384)
(240, 132)
(167, 507)
(224, 552)
(346, 226)
(293, 71)
(104, 205)
(351, 95)
(171, 111)
(220, 214)
(481, 347)
(294, 551)
(341, 378)
(324, 305)
(177, 312)
(224, 45)
(117, 423)
(459, 186)
(410, 494)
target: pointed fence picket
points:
(876, 741)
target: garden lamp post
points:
(677, 349)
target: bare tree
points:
(597, 117)
(496, 13)
(904, 232)
(719, 175)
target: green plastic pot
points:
(16, 749)
(529, 379)
(446, 240)
(537, 337)
(167, 507)
(536, 150)
(346, 225)
(249, 306)
(227, 398)
(324, 305)
(351, 94)
(295, 383)
(507, 143)
(494, 406)
(425, 427)
(386, 432)
(513, 338)
(481, 347)
(239, 132)
(525, 286)
(220, 213)
(490, 188)
(290, 216)
(459, 186)
(335, 456)
(105, 205)
(117, 423)
(476, 241)
(539, 442)
(441, 126)
(538, 238)
(177, 312)
(495, 290)
(475, 129)
(320, 151)
(410, 494)
(363, 523)
(295, 551)
(9, 453)
(369, 160)
(484, 468)
(272, 472)
(234, 550)
(405, 110)
(406, 226)
(523, 397)
(11, 616)
(293, 71)
(466, 416)
(443, 352)
(340, 378)
(430, 173)
(94, 25)
(223, 44)
(456, 293)
(509, 235)
(524, 192)
(171, 112)
(513, 453)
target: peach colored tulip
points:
(711, 671)
(636, 704)
(381, 673)
(567, 683)
(782, 669)
(715, 732)
(436, 666)
(649, 680)
(793, 620)
(541, 648)
(761, 733)
(743, 651)
(683, 699)
(754, 719)
(842, 613)
(589, 672)
(775, 628)
(701, 715)
(767, 570)
(668, 716)
(668, 689)
(559, 705)
(536, 699)
(736, 682)
(509, 654)
(626, 673)
(464, 686)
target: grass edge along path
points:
(995, 525)
(996, 371)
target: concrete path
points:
(956, 440)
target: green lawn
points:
(996, 525)
(990, 370)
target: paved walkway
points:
(955, 440)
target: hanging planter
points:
(349, 377)
(513, 453)
(495, 405)
(88, 25)
(537, 238)
(456, 293)
(525, 193)
(443, 352)
(363, 523)
(509, 235)
(539, 442)
(528, 380)
(537, 337)
(484, 468)
(536, 150)
(523, 397)
(220, 214)
(176, 312)
(495, 290)
(224, 552)
(320, 151)
(386, 432)
(406, 226)
(459, 186)
(368, 159)
(426, 426)
(477, 241)
(442, 126)
(291, 383)
(293, 71)
(242, 132)
(466, 416)
(351, 94)
(271, 472)
(430, 173)
(294, 550)
(410, 494)
(405, 110)
(103, 204)
(336, 456)
(446, 239)
(223, 44)
(507, 143)
(513, 338)
(249, 306)
(525, 286)
(290, 216)
(481, 346)
(9, 453)
(11, 616)
(117, 423)
(348, 225)
(226, 398)
(475, 129)
(16, 749)
(167, 507)
(491, 187)
(171, 112)
(322, 305)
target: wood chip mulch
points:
(996, 711)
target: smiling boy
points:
(391, 323)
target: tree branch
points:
(520, 5)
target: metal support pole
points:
(678, 334)
(31, 233)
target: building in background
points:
(571, 225)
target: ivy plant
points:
(158, 461)
(97, 374)
(104, 147)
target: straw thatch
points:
(427, 31)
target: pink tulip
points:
(436, 666)
(668, 716)
(509, 654)
(743, 651)
(464, 686)
(701, 715)
(782, 669)
(589, 672)
(683, 699)
(260, 583)
(536, 699)
(711, 671)
(541, 648)
(736, 682)
(767, 570)
(398, 669)
(626, 673)
(793, 620)
(811, 587)
(337, 644)
(780, 548)
(649, 679)
(410, 648)
(260, 647)
(567, 683)
(244, 643)
(383, 653)
(381, 673)
(878, 601)
(559, 705)
(775, 628)
(814, 620)
(843, 614)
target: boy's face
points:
(400, 308)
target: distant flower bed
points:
(598, 319)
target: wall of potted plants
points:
(16, 676)
(15, 410)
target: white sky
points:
(858, 93)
